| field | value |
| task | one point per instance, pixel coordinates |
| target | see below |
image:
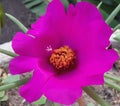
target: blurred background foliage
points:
(39, 7)
(107, 7)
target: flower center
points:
(63, 58)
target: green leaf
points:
(116, 35)
(17, 22)
(118, 1)
(94, 1)
(40, 9)
(14, 84)
(109, 2)
(65, 2)
(2, 93)
(105, 15)
(1, 80)
(117, 27)
(72, 1)
(27, 1)
(36, 6)
(9, 53)
(2, 17)
(41, 101)
(4, 98)
(99, 5)
(34, 3)
(112, 77)
(95, 96)
(113, 14)
(11, 79)
(112, 84)
(90, 104)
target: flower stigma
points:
(63, 58)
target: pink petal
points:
(87, 12)
(80, 23)
(66, 90)
(105, 61)
(90, 42)
(25, 45)
(22, 64)
(51, 21)
(60, 93)
(32, 90)
(84, 75)
(29, 45)
(46, 29)
(95, 42)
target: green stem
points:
(8, 53)
(13, 84)
(112, 84)
(117, 27)
(17, 22)
(72, 1)
(112, 77)
(96, 97)
(113, 14)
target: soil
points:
(17, 9)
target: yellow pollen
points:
(62, 58)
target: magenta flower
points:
(66, 50)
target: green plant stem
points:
(113, 14)
(96, 97)
(13, 84)
(117, 27)
(72, 1)
(112, 77)
(17, 22)
(8, 53)
(112, 84)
